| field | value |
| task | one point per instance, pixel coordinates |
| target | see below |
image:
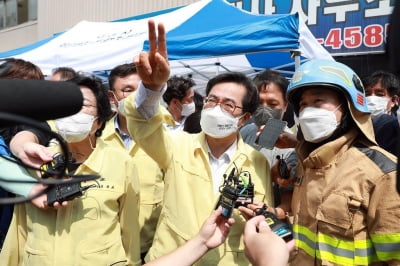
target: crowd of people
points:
(163, 153)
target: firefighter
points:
(345, 204)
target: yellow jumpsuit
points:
(99, 228)
(188, 195)
(151, 184)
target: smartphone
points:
(269, 135)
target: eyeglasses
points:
(228, 105)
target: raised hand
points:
(153, 66)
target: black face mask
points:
(264, 113)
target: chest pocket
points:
(337, 210)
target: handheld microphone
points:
(40, 99)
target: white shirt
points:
(219, 165)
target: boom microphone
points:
(40, 99)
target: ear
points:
(111, 97)
(395, 99)
(176, 104)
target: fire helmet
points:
(327, 73)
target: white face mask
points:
(114, 107)
(75, 128)
(377, 105)
(188, 109)
(317, 124)
(121, 107)
(218, 123)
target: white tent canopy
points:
(204, 38)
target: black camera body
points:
(283, 169)
(61, 192)
(64, 192)
(56, 165)
(235, 193)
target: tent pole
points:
(194, 70)
(296, 55)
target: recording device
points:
(277, 226)
(39, 99)
(54, 167)
(237, 190)
(270, 133)
(61, 192)
(65, 192)
(282, 167)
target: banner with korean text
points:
(343, 27)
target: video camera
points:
(237, 190)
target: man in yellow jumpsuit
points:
(194, 164)
(123, 80)
(345, 204)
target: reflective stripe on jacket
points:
(346, 207)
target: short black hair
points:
(120, 71)
(251, 99)
(388, 80)
(66, 73)
(267, 76)
(177, 88)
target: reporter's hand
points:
(41, 201)
(34, 154)
(286, 140)
(215, 229)
(262, 246)
(153, 66)
(249, 211)
(276, 176)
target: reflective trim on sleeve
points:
(324, 247)
(387, 246)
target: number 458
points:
(372, 36)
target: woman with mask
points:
(345, 202)
(100, 227)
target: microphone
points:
(40, 99)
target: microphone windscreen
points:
(40, 99)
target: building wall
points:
(58, 15)
(18, 36)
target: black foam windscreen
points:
(40, 99)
